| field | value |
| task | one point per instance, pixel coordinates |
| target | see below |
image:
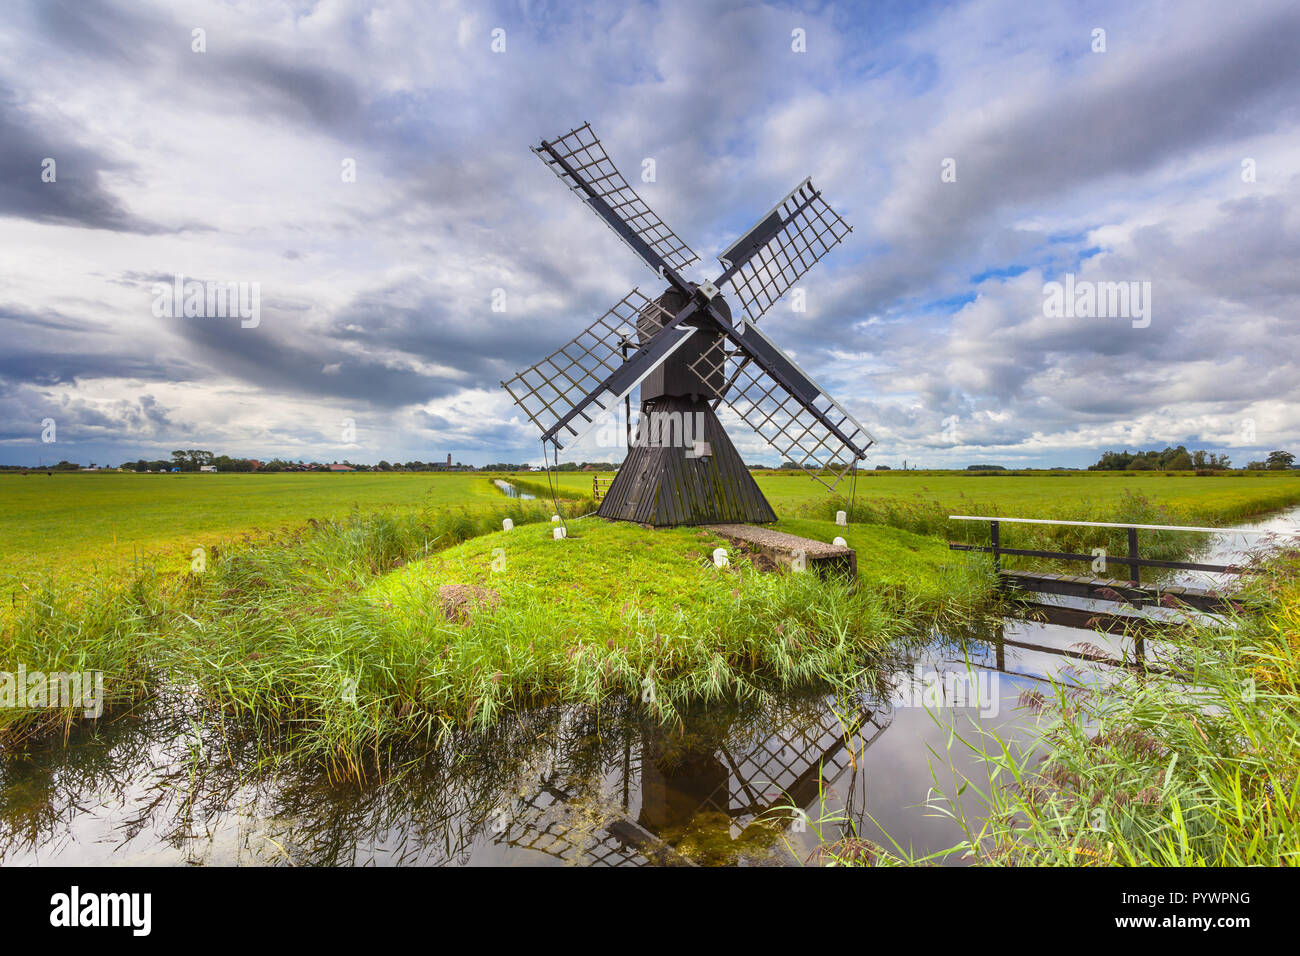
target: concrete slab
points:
(784, 548)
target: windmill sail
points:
(581, 163)
(565, 392)
(797, 417)
(764, 263)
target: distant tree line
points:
(580, 466)
(1276, 460)
(1171, 459)
(795, 466)
(194, 459)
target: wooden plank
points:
(1110, 559)
(1083, 619)
(1116, 591)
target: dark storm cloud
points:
(289, 361)
(51, 348)
(316, 95)
(375, 352)
(91, 28)
(25, 408)
(235, 70)
(75, 197)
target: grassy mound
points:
(615, 608)
(351, 642)
(350, 636)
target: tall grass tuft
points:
(84, 627)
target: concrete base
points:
(785, 549)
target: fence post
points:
(996, 535)
(1134, 569)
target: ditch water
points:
(569, 785)
(511, 491)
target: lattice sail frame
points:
(771, 770)
(809, 228)
(547, 823)
(781, 419)
(582, 150)
(553, 387)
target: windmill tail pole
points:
(552, 481)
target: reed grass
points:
(80, 627)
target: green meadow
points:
(72, 523)
(301, 573)
(353, 635)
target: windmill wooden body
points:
(690, 355)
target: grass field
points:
(1039, 495)
(76, 522)
(79, 521)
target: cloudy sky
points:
(980, 150)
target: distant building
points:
(448, 459)
(337, 467)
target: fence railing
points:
(599, 485)
(1132, 560)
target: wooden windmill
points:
(689, 355)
